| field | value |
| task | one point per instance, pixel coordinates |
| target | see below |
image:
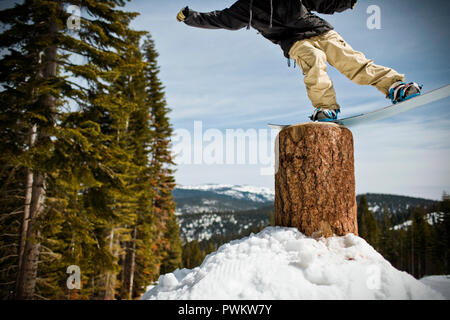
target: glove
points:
(354, 4)
(182, 14)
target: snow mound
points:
(282, 263)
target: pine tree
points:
(13, 139)
(29, 78)
(138, 139)
(443, 231)
(192, 254)
(155, 246)
(367, 224)
(402, 249)
(171, 260)
(86, 169)
(106, 202)
(12, 179)
(362, 207)
(420, 235)
(386, 243)
(34, 75)
(161, 162)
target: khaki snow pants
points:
(312, 56)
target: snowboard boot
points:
(324, 115)
(401, 91)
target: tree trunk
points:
(124, 272)
(128, 267)
(132, 264)
(28, 271)
(315, 180)
(27, 274)
(27, 205)
(111, 275)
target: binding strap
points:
(251, 15)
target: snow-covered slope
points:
(438, 283)
(282, 263)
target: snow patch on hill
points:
(282, 263)
(431, 218)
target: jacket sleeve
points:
(328, 6)
(230, 18)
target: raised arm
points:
(230, 18)
(329, 6)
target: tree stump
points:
(315, 180)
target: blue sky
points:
(238, 79)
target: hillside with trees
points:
(421, 248)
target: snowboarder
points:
(311, 42)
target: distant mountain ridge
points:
(220, 198)
(394, 203)
(234, 198)
(213, 209)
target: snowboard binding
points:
(324, 115)
(401, 91)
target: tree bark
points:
(26, 281)
(132, 265)
(315, 180)
(28, 271)
(128, 267)
(27, 205)
(110, 274)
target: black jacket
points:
(281, 21)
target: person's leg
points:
(354, 65)
(313, 63)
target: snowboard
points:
(385, 112)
